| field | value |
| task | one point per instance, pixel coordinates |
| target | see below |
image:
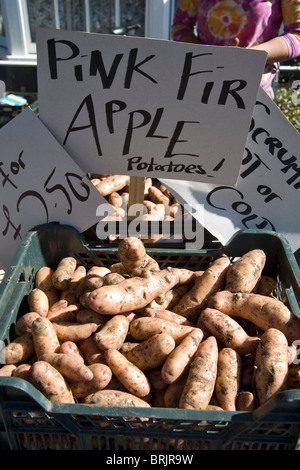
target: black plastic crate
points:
(28, 421)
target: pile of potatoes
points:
(133, 334)
(159, 203)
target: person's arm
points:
(276, 48)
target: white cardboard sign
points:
(39, 184)
(138, 106)
(267, 192)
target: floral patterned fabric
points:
(252, 21)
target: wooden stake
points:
(136, 193)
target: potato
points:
(90, 351)
(245, 401)
(200, 383)
(22, 371)
(70, 366)
(155, 379)
(69, 331)
(115, 398)
(133, 379)
(62, 311)
(265, 312)
(152, 352)
(113, 333)
(50, 382)
(207, 283)
(44, 336)
(112, 183)
(38, 302)
(24, 323)
(69, 347)
(229, 331)
(178, 361)
(174, 391)
(134, 260)
(244, 273)
(101, 377)
(166, 314)
(19, 350)
(228, 379)
(7, 370)
(63, 273)
(43, 281)
(271, 365)
(144, 327)
(136, 292)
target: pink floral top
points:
(252, 21)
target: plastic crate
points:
(28, 421)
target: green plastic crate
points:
(28, 421)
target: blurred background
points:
(144, 18)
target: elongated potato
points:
(43, 281)
(76, 278)
(69, 331)
(271, 365)
(69, 347)
(38, 302)
(7, 370)
(245, 401)
(70, 366)
(136, 292)
(90, 351)
(154, 376)
(244, 273)
(200, 383)
(24, 323)
(265, 285)
(166, 314)
(174, 391)
(152, 352)
(63, 273)
(22, 371)
(134, 259)
(133, 379)
(178, 361)
(265, 312)
(207, 283)
(19, 350)
(229, 331)
(102, 375)
(44, 336)
(228, 379)
(144, 327)
(62, 311)
(50, 382)
(113, 333)
(112, 183)
(115, 398)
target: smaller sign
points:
(266, 195)
(39, 184)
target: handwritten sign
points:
(39, 184)
(267, 192)
(138, 106)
